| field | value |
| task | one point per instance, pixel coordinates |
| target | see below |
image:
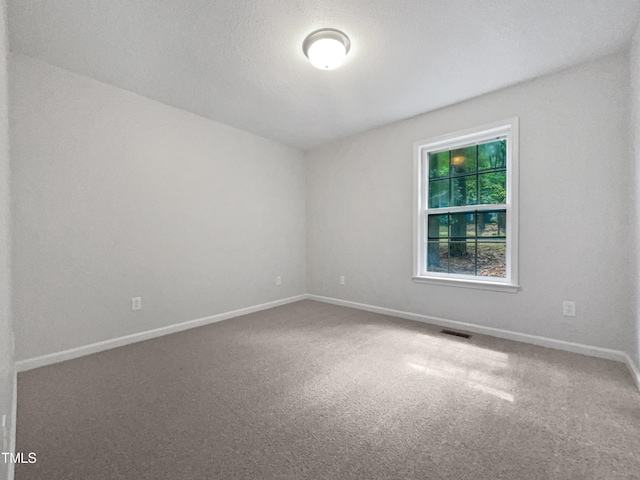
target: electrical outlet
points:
(278, 280)
(136, 303)
(341, 280)
(569, 309)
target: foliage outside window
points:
(466, 225)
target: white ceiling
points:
(240, 62)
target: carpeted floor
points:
(316, 391)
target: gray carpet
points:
(316, 391)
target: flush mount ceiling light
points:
(326, 48)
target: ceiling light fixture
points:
(326, 48)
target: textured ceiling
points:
(240, 62)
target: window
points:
(466, 223)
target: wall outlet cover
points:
(136, 303)
(569, 309)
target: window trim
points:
(507, 128)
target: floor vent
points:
(455, 334)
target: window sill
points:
(458, 282)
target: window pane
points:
(439, 193)
(463, 160)
(464, 218)
(463, 225)
(492, 259)
(492, 155)
(464, 191)
(493, 187)
(438, 226)
(439, 164)
(492, 224)
(438, 256)
(462, 257)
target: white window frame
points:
(508, 129)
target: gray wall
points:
(6, 334)
(574, 236)
(117, 196)
(634, 59)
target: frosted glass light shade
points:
(326, 49)
(326, 53)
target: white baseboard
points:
(31, 363)
(590, 350)
(49, 359)
(635, 372)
